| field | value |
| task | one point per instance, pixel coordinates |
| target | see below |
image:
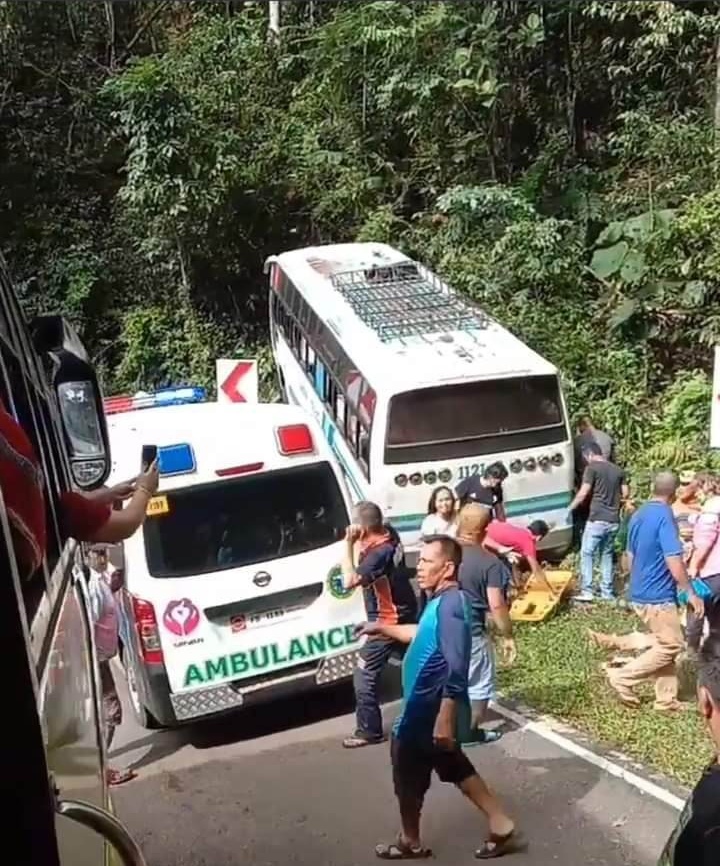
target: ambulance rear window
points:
(245, 521)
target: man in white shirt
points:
(104, 612)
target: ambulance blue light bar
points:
(176, 459)
(153, 399)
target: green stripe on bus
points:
(514, 508)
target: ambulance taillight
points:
(294, 439)
(148, 632)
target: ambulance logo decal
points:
(336, 584)
(181, 618)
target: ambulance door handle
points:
(107, 826)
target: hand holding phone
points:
(149, 456)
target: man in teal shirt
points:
(435, 715)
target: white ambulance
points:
(233, 588)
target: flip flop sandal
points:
(359, 742)
(631, 702)
(481, 736)
(400, 850)
(119, 777)
(500, 846)
(676, 707)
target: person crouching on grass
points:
(435, 714)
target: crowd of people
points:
(470, 558)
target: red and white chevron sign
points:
(237, 380)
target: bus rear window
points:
(245, 521)
(474, 418)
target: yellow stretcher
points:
(535, 603)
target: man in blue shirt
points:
(435, 716)
(657, 572)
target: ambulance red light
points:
(295, 439)
(239, 470)
(147, 629)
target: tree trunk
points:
(716, 118)
(274, 23)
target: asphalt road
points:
(272, 786)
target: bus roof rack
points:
(397, 301)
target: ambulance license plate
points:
(242, 621)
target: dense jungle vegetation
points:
(555, 160)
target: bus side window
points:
(364, 451)
(351, 430)
(339, 409)
(310, 360)
(335, 402)
(294, 335)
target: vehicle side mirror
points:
(79, 399)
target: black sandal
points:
(499, 846)
(400, 850)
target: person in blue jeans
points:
(374, 561)
(604, 485)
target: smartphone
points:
(149, 456)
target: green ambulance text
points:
(269, 656)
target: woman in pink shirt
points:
(705, 565)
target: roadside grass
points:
(558, 673)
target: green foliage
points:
(555, 161)
(575, 691)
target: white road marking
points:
(544, 730)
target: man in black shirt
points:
(485, 489)
(696, 838)
(482, 578)
(604, 485)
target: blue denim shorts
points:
(481, 676)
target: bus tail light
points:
(530, 464)
(445, 475)
(401, 480)
(431, 477)
(416, 478)
(544, 461)
(516, 466)
(295, 439)
(557, 459)
(148, 632)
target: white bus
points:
(415, 387)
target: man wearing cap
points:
(103, 608)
